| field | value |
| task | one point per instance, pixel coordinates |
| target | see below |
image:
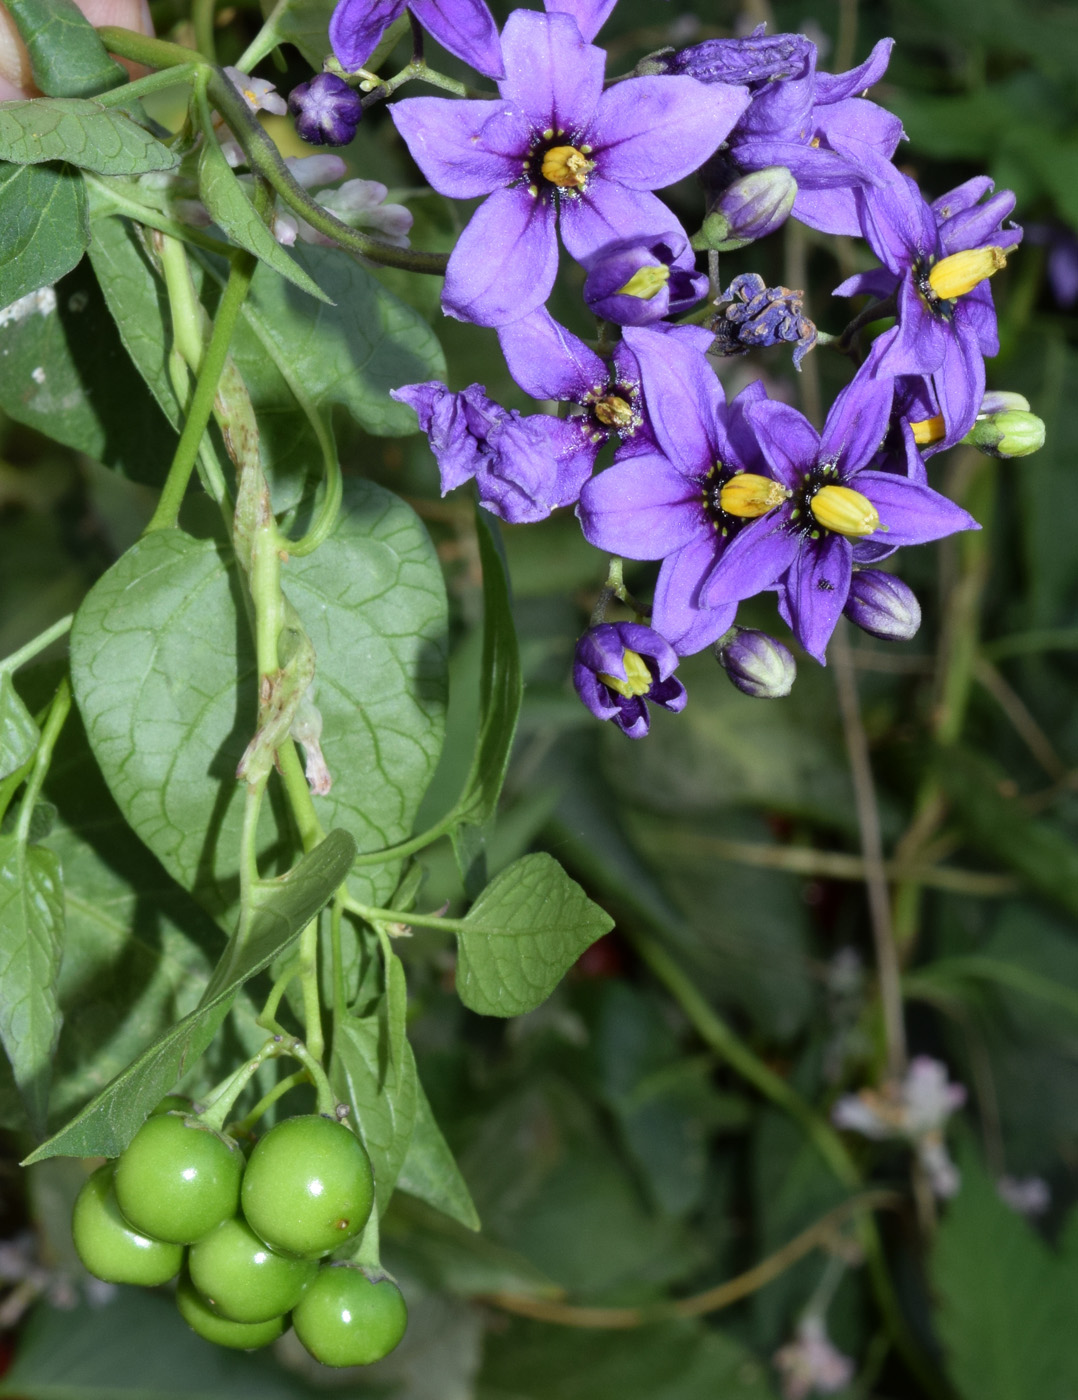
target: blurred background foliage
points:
(616, 1157)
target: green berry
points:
(348, 1319)
(178, 1178)
(308, 1187)
(242, 1278)
(173, 1103)
(199, 1316)
(107, 1244)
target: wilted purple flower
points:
(748, 207)
(523, 467)
(883, 606)
(555, 151)
(618, 667)
(812, 1364)
(937, 260)
(833, 504)
(464, 27)
(757, 664)
(327, 110)
(752, 316)
(755, 61)
(687, 506)
(637, 281)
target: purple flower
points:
(327, 110)
(687, 505)
(756, 316)
(756, 61)
(883, 606)
(556, 151)
(637, 281)
(937, 260)
(523, 467)
(834, 504)
(464, 27)
(618, 667)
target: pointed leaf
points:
(382, 1096)
(43, 234)
(18, 732)
(106, 1126)
(522, 935)
(430, 1171)
(67, 58)
(84, 133)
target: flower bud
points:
(757, 664)
(1001, 400)
(327, 110)
(753, 206)
(637, 281)
(1013, 433)
(883, 606)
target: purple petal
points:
(505, 261)
(857, 423)
(356, 27)
(959, 384)
(962, 197)
(975, 315)
(835, 211)
(813, 167)
(753, 560)
(604, 212)
(684, 397)
(574, 454)
(443, 136)
(817, 589)
(878, 283)
(909, 512)
(550, 71)
(980, 226)
(835, 87)
(898, 223)
(865, 134)
(650, 132)
(642, 508)
(466, 28)
(677, 611)
(549, 362)
(590, 15)
(918, 343)
(788, 440)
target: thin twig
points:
(1016, 710)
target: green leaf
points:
(67, 374)
(67, 58)
(304, 24)
(430, 1170)
(43, 234)
(351, 351)
(162, 641)
(1000, 1309)
(382, 1096)
(522, 935)
(18, 732)
(500, 686)
(224, 197)
(106, 1126)
(81, 132)
(31, 942)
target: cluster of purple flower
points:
(730, 498)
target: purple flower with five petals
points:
(619, 667)
(688, 504)
(836, 505)
(937, 260)
(556, 151)
(464, 27)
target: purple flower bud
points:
(883, 606)
(750, 207)
(1003, 400)
(618, 667)
(753, 61)
(1012, 433)
(757, 664)
(752, 316)
(637, 281)
(327, 110)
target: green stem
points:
(202, 19)
(326, 1098)
(367, 1250)
(267, 1017)
(202, 401)
(153, 82)
(58, 712)
(219, 1103)
(265, 41)
(189, 319)
(308, 979)
(243, 1126)
(37, 644)
(299, 796)
(340, 995)
(153, 218)
(152, 53)
(409, 847)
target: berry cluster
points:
(255, 1234)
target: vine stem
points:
(58, 712)
(37, 644)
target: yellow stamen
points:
(613, 412)
(566, 167)
(749, 495)
(955, 275)
(845, 511)
(637, 676)
(929, 430)
(645, 283)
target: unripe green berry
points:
(243, 1336)
(242, 1278)
(107, 1244)
(178, 1179)
(347, 1318)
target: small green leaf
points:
(304, 24)
(106, 1126)
(18, 732)
(31, 942)
(43, 233)
(522, 935)
(67, 58)
(382, 1097)
(430, 1170)
(396, 1011)
(82, 132)
(230, 208)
